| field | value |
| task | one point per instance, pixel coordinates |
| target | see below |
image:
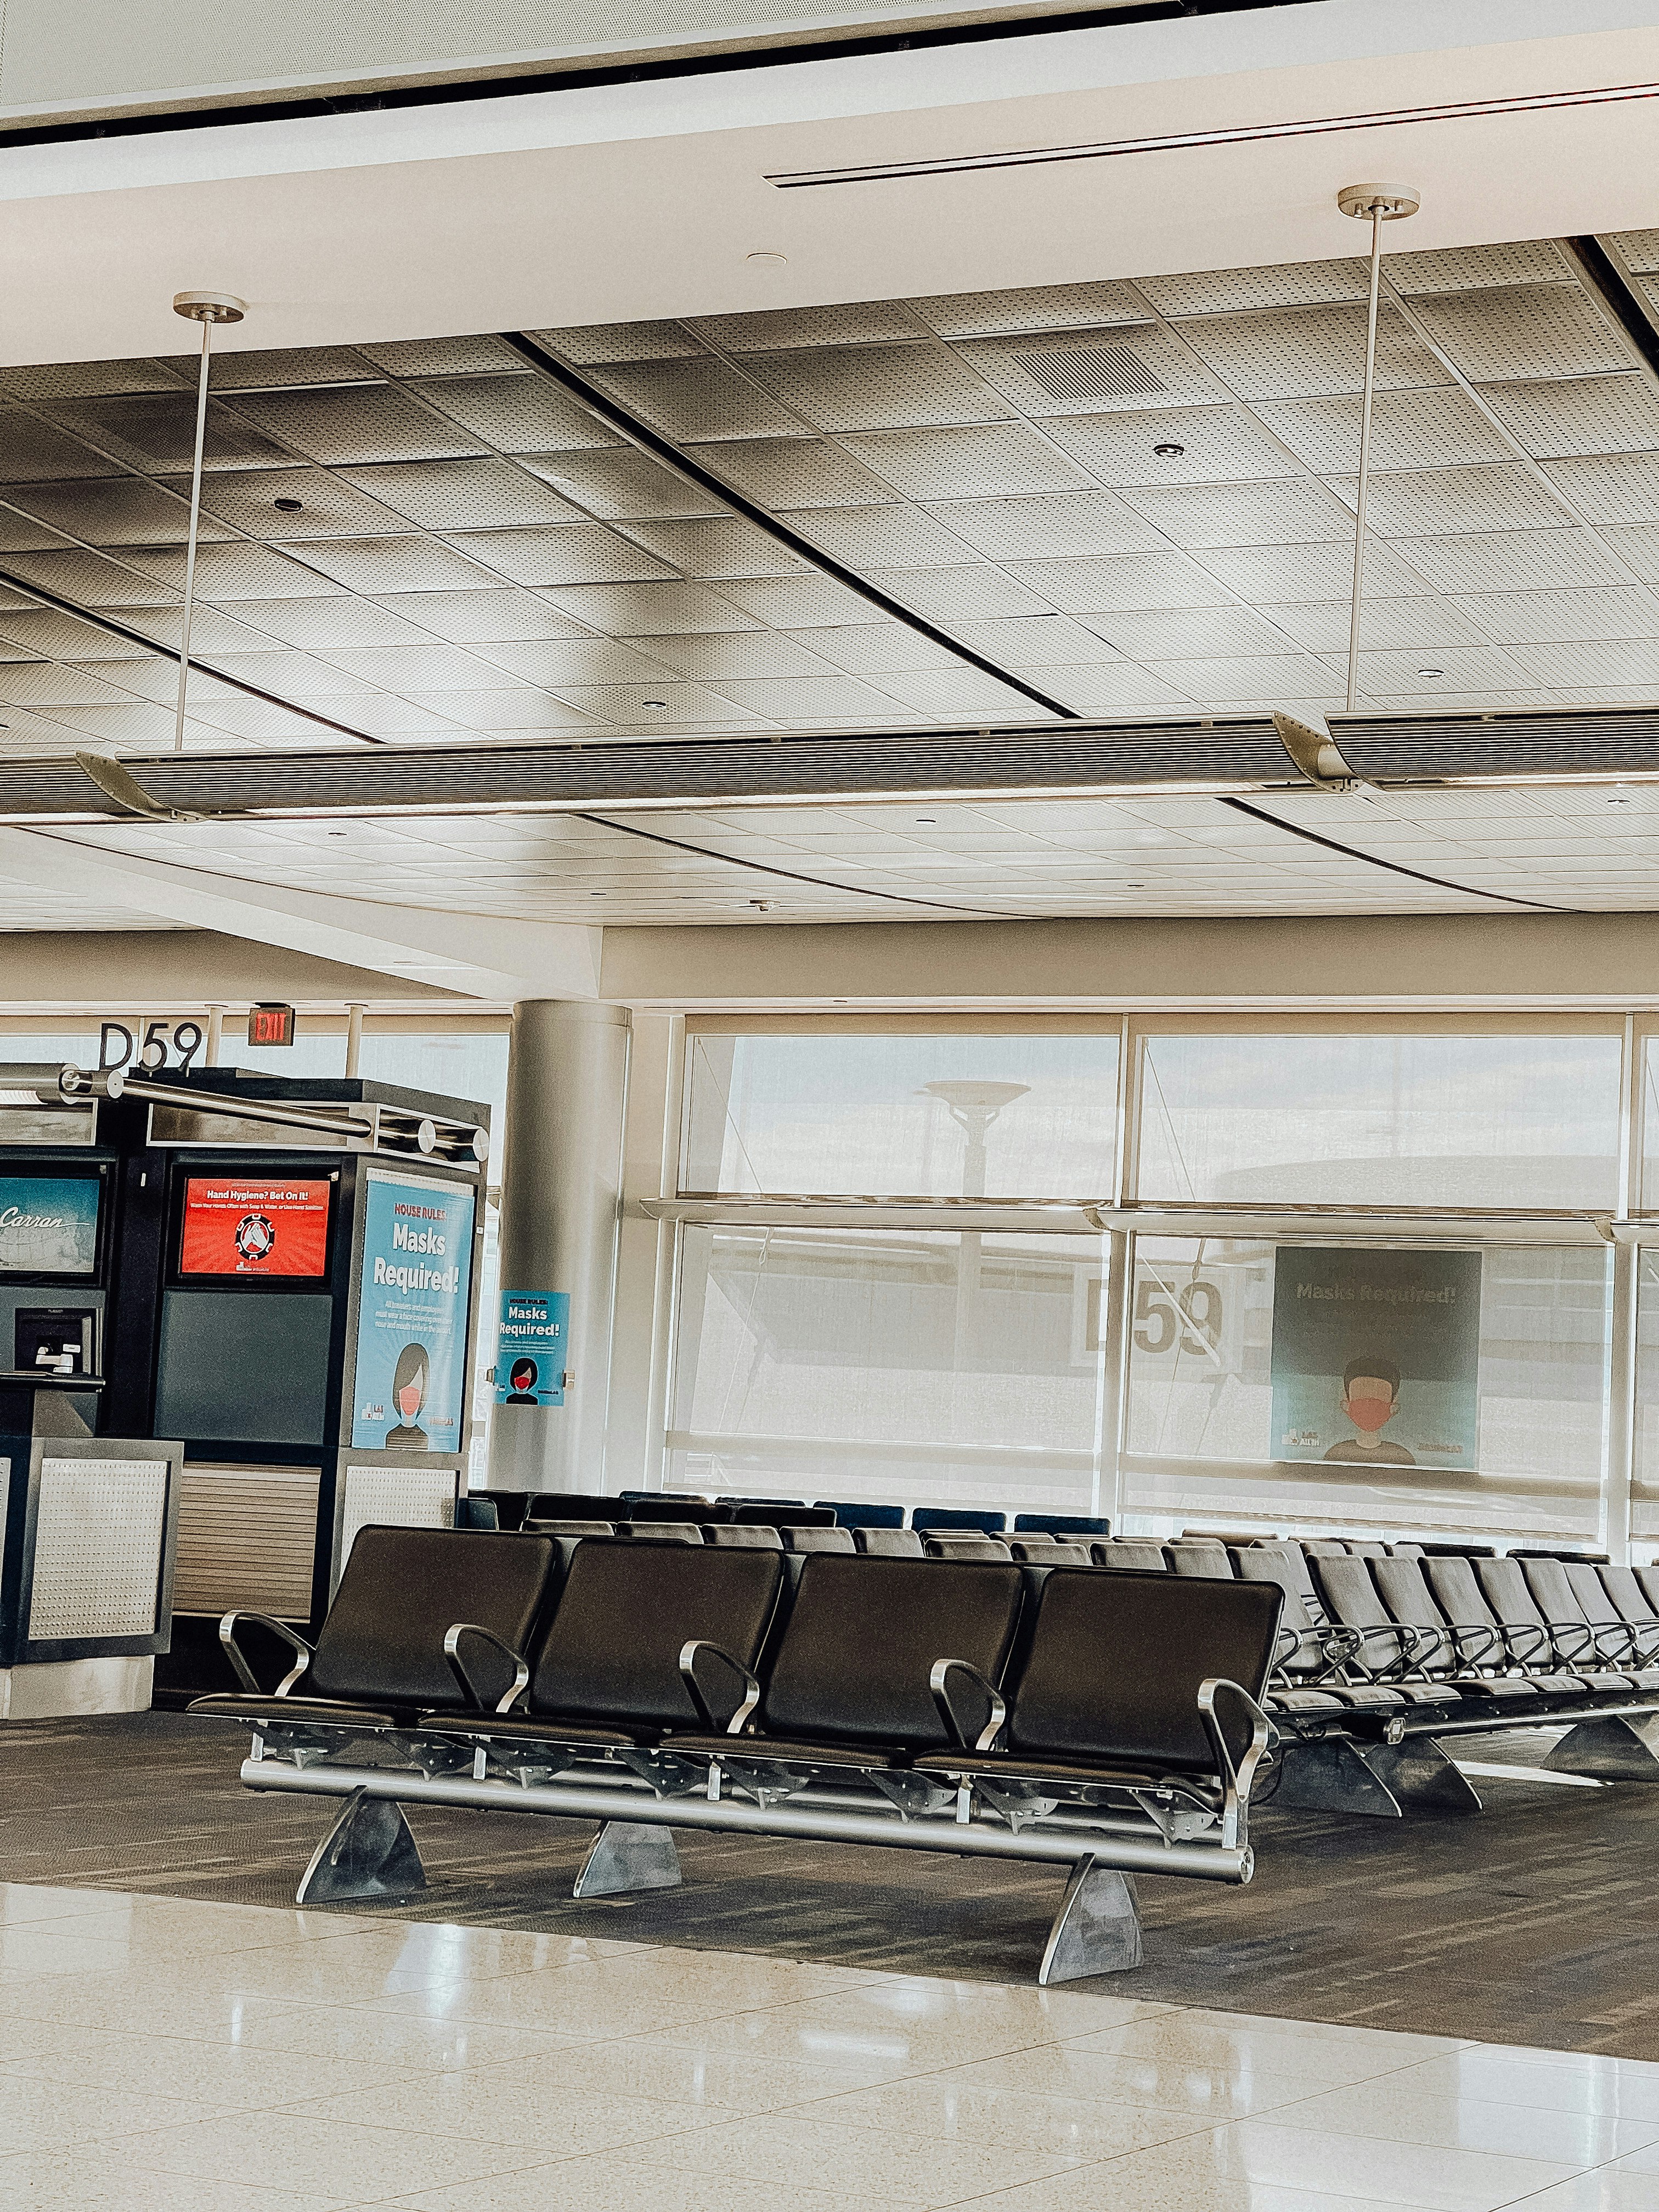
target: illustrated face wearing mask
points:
(409, 1384)
(1370, 1401)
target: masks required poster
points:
(1377, 1357)
(411, 1315)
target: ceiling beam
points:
(475, 955)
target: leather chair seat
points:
(1074, 1773)
(264, 1712)
(1302, 1701)
(789, 1751)
(532, 1727)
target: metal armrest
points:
(690, 1654)
(938, 1682)
(245, 1674)
(1490, 1642)
(1584, 1644)
(1539, 1646)
(469, 1689)
(1236, 1777)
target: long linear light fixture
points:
(1243, 134)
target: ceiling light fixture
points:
(1169, 451)
(206, 308)
(1430, 672)
(660, 703)
(1376, 204)
(765, 260)
(289, 505)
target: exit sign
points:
(271, 1025)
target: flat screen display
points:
(237, 1225)
(48, 1225)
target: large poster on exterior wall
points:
(1376, 1356)
(412, 1293)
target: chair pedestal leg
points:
(368, 1853)
(1097, 1929)
(1334, 1776)
(1421, 1771)
(1619, 1748)
(628, 1855)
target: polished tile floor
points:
(156, 2053)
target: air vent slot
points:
(1091, 372)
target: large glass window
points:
(949, 1367)
(918, 1115)
(1401, 1119)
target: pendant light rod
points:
(1376, 204)
(206, 308)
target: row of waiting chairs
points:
(514, 1508)
(980, 1707)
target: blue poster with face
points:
(412, 1292)
(48, 1225)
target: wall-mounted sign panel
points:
(48, 1225)
(1376, 1356)
(412, 1293)
(237, 1227)
(534, 1348)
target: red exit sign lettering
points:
(271, 1025)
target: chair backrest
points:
(1594, 1601)
(1231, 1540)
(1323, 1547)
(1299, 1574)
(818, 1539)
(1404, 1550)
(511, 1505)
(1206, 1562)
(1367, 1547)
(1063, 1524)
(1458, 1594)
(662, 1532)
(743, 1536)
(732, 1498)
(1116, 1665)
(854, 1513)
(969, 1517)
(572, 1505)
(1350, 1594)
(1035, 1538)
(863, 1636)
(402, 1592)
(544, 1528)
(1626, 1592)
(1649, 1579)
(1269, 1563)
(679, 1510)
(611, 1649)
(475, 1512)
(1129, 1556)
(757, 1512)
(952, 1544)
(1505, 1589)
(1055, 1554)
(1556, 1599)
(888, 1543)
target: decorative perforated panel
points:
(402, 1497)
(97, 1548)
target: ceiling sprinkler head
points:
(659, 703)
(289, 505)
(1169, 451)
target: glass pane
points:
(1379, 1120)
(1645, 1479)
(1199, 1436)
(1019, 1116)
(905, 1368)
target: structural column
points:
(567, 1086)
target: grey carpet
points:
(1533, 1923)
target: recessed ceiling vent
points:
(1111, 371)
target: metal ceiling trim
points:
(637, 434)
(1395, 867)
(1237, 135)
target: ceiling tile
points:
(340, 620)
(1531, 330)
(1513, 561)
(769, 329)
(1540, 617)
(1580, 415)
(1384, 624)
(293, 675)
(792, 472)
(90, 580)
(713, 659)
(965, 692)
(629, 704)
(1479, 267)
(1244, 515)
(110, 511)
(1443, 429)
(501, 713)
(518, 414)
(886, 537)
(728, 548)
(1090, 373)
(1299, 353)
(1607, 660)
(1037, 307)
(1029, 641)
(791, 603)
(50, 684)
(808, 698)
(1280, 677)
(1612, 488)
(240, 571)
(377, 422)
(1640, 249)
(450, 495)
(878, 387)
(1050, 523)
(30, 450)
(606, 342)
(969, 594)
(1430, 502)
(666, 610)
(1460, 668)
(1186, 632)
(415, 668)
(32, 633)
(623, 485)
(380, 565)
(483, 616)
(157, 432)
(1225, 291)
(246, 499)
(570, 553)
(1112, 687)
(992, 460)
(692, 399)
(1263, 574)
(279, 369)
(556, 662)
(1178, 445)
(76, 379)
(882, 648)
(465, 356)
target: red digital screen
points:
(234, 1227)
(271, 1025)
